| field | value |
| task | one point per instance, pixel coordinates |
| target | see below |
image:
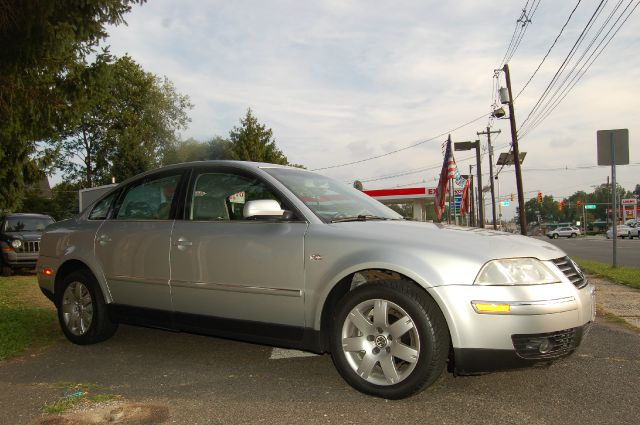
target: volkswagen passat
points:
(287, 257)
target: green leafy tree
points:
(187, 150)
(253, 141)
(39, 40)
(124, 121)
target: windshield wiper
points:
(358, 218)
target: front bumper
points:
(17, 260)
(541, 323)
(469, 361)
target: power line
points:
(561, 68)
(550, 48)
(405, 148)
(582, 71)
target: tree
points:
(187, 150)
(124, 121)
(253, 141)
(39, 40)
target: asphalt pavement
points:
(190, 379)
(599, 248)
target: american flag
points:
(448, 172)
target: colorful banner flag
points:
(464, 202)
(447, 173)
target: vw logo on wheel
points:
(381, 341)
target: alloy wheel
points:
(77, 308)
(380, 342)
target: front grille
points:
(571, 271)
(549, 345)
(30, 246)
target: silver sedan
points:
(287, 257)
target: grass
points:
(629, 276)
(77, 395)
(27, 317)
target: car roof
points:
(247, 165)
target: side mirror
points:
(264, 208)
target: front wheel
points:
(573, 235)
(82, 312)
(389, 339)
(555, 236)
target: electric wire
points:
(549, 51)
(584, 68)
(560, 69)
(572, 74)
(404, 148)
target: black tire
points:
(427, 331)
(555, 236)
(83, 284)
(573, 235)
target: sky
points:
(342, 81)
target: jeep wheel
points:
(82, 312)
(389, 339)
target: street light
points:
(465, 146)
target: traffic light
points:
(561, 205)
(579, 204)
(540, 197)
(513, 197)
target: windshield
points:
(27, 224)
(329, 199)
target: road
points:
(600, 249)
(201, 380)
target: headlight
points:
(16, 243)
(515, 271)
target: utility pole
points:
(479, 185)
(472, 212)
(489, 132)
(516, 154)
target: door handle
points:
(104, 239)
(182, 243)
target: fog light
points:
(545, 346)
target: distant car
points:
(20, 240)
(567, 232)
(624, 231)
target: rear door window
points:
(149, 199)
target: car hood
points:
(472, 243)
(25, 236)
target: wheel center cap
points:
(381, 341)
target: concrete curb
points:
(619, 300)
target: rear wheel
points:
(389, 339)
(82, 312)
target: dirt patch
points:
(117, 414)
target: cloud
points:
(344, 80)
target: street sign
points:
(590, 207)
(630, 201)
(504, 203)
(620, 141)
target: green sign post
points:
(590, 207)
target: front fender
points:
(323, 276)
